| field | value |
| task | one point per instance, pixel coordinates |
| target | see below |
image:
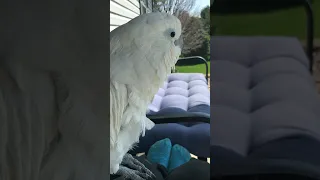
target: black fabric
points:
(223, 155)
(265, 177)
(299, 148)
(192, 170)
(296, 157)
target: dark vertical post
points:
(140, 6)
(310, 33)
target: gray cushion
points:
(249, 51)
(231, 128)
(282, 119)
(261, 91)
(183, 94)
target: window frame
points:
(145, 6)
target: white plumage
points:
(142, 54)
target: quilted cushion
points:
(264, 107)
(261, 91)
(182, 93)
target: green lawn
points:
(199, 68)
(286, 22)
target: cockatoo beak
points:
(179, 42)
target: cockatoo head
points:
(154, 36)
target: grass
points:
(286, 22)
(199, 68)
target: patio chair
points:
(181, 111)
(262, 91)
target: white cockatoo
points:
(142, 53)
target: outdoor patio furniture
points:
(262, 91)
(181, 111)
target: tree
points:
(205, 16)
(192, 33)
(197, 34)
(174, 7)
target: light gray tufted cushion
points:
(261, 91)
(182, 94)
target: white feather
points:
(142, 54)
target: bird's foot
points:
(132, 169)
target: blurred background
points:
(266, 18)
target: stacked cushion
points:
(182, 95)
(185, 93)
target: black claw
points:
(142, 170)
(153, 176)
(143, 175)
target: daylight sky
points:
(199, 5)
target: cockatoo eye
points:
(172, 34)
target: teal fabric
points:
(179, 156)
(160, 152)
